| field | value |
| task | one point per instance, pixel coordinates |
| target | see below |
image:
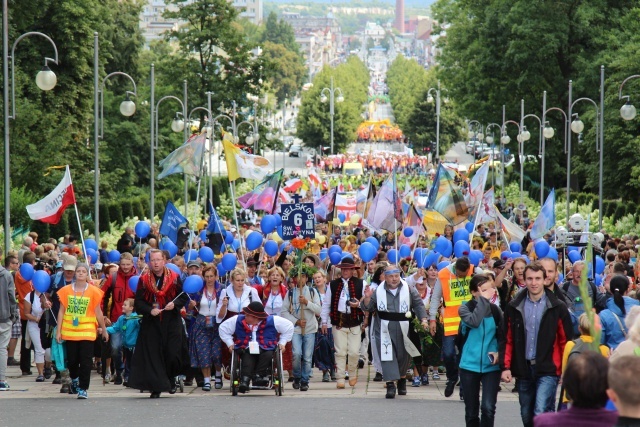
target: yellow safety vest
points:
(82, 308)
(455, 291)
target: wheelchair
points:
(275, 379)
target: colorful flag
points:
(51, 208)
(292, 185)
(324, 206)
(314, 178)
(487, 211)
(413, 221)
(385, 207)
(511, 231)
(445, 197)
(244, 165)
(263, 197)
(215, 231)
(546, 219)
(187, 159)
(397, 201)
(476, 190)
(172, 219)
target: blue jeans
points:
(116, 351)
(302, 346)
(537, 395)
(471, 383)
(450, 357)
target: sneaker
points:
(296, 383)
(11, 361)
(448, 391)
(206, 387)
(304, 386)
(378, 377)
(47, 373)
(435, 375)
(4, 386)
(360, 363)
(425, 379)
(82, 394)
(73, 387)
(106, 379)
(416, 382)
(40, 379)
(325, 377)
(118, 380)
(346, 375)
(125, 382)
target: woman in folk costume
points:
(159, 355)
(393, 302)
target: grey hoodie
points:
(8, 302)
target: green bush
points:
(137, 208)
(127, 209)
(43, 230)
(145, 203)
(115, 213)
(619, 211)
(595, 204)
(60, 229)
(105, 220)
(631, 208)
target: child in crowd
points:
(129, 325)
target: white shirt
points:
(208, 307)
(326, 302)
(274, 304)
(36, 307)
(283, 326)
(237, 304)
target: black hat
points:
(255, 260)
(499, 263)
(255, 309)
(346, 263)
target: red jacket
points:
(554, 332)
(120, 292)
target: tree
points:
(280, 32)
(285, 69)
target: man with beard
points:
(158, 358)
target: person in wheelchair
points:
(255, 334)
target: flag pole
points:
(75, 205)
(475, 220)
(232, 186)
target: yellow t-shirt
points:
(604, 350)
(79, 322)
(201, 225)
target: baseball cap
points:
(499, 263)
(194, 263)
(70, 264)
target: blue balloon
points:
(515, 247)
(41, 281)
(91, 244)
(206, 254)
(142, 229)
(91, 253)
(283, 246)
(135, 260)
(374, 242)
(469, 227)
(190, 255)
(203, 235)
(461, 248)
(253, 241)
(170, 247)
(526, 259)
(335, 257)
(367, 252)
(271, 248)
(443, 264)
(574, 256)
(393, 256)
(147, 257)
(342, 217)
(133, 283)
(221, 270)
(560, 278)
(345, 255)
(574, 248)
(541, 248)
(174, 268)
(278, 219)
(228, 237)
(417, 253)
(279, 231)
(475, 256)
(405, 251)
(26, 271)
(505, 255)
(235, 244)
(553, 254)
(441, 244)
(229, 261)
(335, 248)
(267, 224)
(448, 250)
(598, 279)
(461, 234)
(515, 255)
(114, 256)
(192, 284)
(599, 265)
(430, 259)
(408, 232)
(323, 254)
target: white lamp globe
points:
(46, 79)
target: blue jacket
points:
(481, 332)
(612, 335)
(129, 326)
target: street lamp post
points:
(548, 133)
(127, 109)
(45, 80)
(437, 99)
(472, 129)
(577, 126)
(504, 140)
(540, 152)
(332, 100)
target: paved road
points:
(457, 152)
(383, 111)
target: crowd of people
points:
(482, 323)
(380, 162)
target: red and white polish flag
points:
(51, 208)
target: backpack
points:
(579, 347)
(594, 293)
